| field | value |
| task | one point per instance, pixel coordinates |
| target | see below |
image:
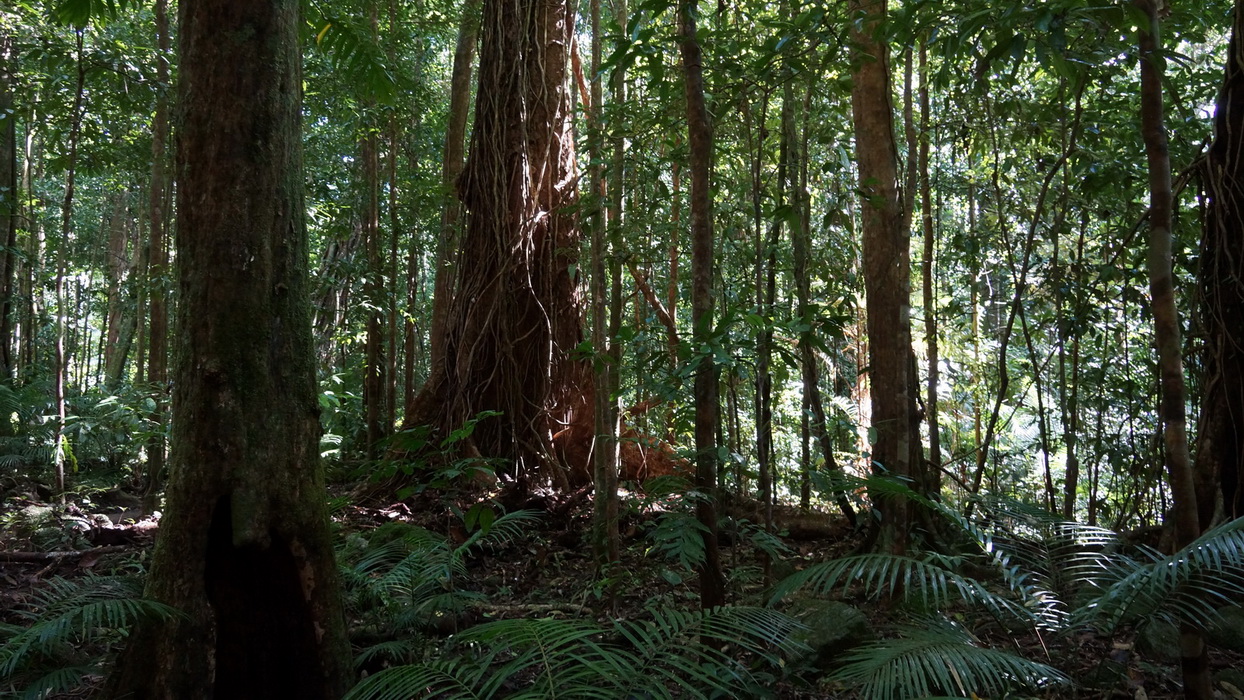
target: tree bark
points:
(157, 273)
(451, 169)
(8, 206)
(244, 550)
(1167, 333)
(933, 474)
(1220, 444)
(700, 138)
(515, 316)
(887, 263)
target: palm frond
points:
(352, 50)
(390, 650)
(60, 680)
(503, 530)
(929, 581)
(448, 681)
(555, 658)
(669, 649)
(67, 613)
(1187, 586)
(937, 659)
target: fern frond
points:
(939, 659)
(392, 650)
(68, 612)
(61, 680)
(505, 529)
(928, 581)
(680, 537)
(445, 680)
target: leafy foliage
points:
(405, 579)
(939, 658)
(72, 624)
(675, 654)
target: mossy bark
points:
(244, 548)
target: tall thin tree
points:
(700, 139)
(1166, 330)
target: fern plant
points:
(406, 579)
(72, 626)
(673, 654)
(939, 658)
(1053, 576)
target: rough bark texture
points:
(700, 138)
(451, 168)
(1220, 447)
(8, 204)
(515, 316)
(375, 379)
(929, 282)
(1167, 334)
(244, 549)
(887, 262)
(157, 364)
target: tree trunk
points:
(887, 273)
(117, 265)
(451, 169)
(244, 550)
(514, 318)
(60, 360)
(700, 138)
(765, 288)
(933, 474)
(1220, 444)
(375, 375)
(1166, 331)
(606, 313)
(8, 207)
(157, 273)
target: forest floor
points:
(548, 572)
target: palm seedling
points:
(72, 626)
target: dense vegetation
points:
(909, 398)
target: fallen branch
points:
(40, 557)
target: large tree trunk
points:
(1220, 446)
(887, 273)
(700, 138)
(515, 317)
(451, 168)
(244, 549)
(1166, 331)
